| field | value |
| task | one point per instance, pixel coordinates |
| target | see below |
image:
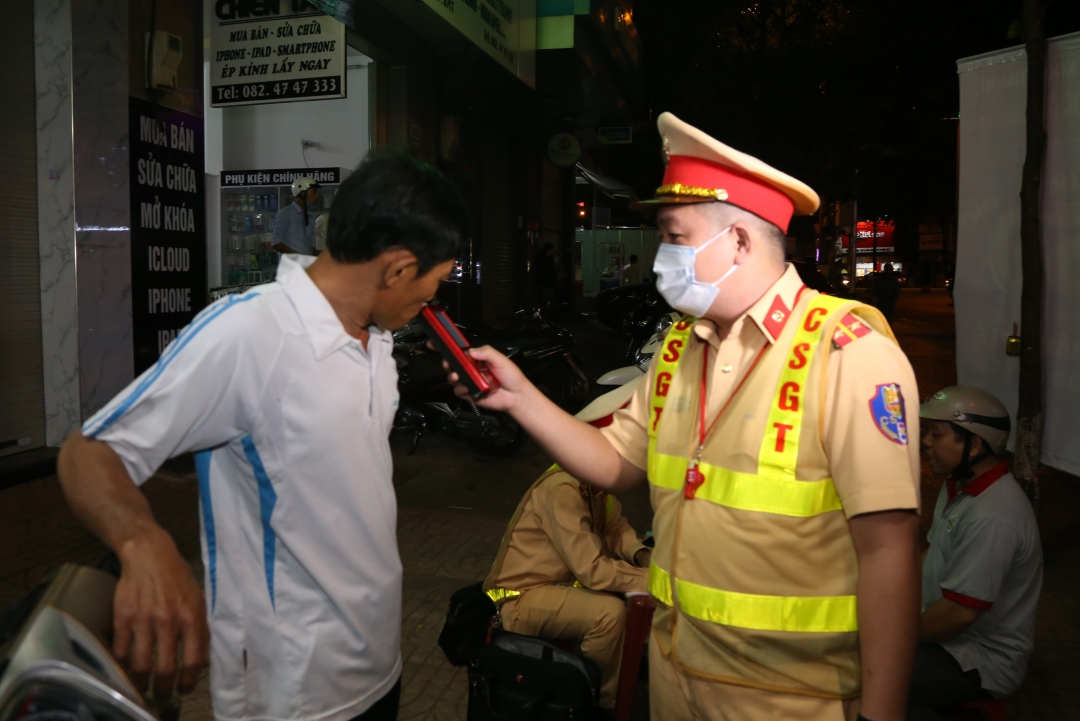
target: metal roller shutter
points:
(496, 273)
(22, 395)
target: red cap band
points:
(744, 190)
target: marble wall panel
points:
(56, 218)
(102, 200)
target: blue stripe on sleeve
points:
(105, 420)
(267, 501)
(202, 466)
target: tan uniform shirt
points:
(562, 533)
(870, 471)
(870, 452)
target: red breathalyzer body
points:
(448, 340)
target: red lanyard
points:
(694, 477)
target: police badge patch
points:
(887, 409)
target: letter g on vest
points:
(788, 399)
(663, 383)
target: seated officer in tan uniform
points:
(778, 430)
(566, 558)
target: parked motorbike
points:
(644, 354)
(55, 662)
(542, 317)
(643, 322)
(614, 305)
(429, 403)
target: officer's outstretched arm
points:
(580, 449)
(888, 603)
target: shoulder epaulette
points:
(849, 329)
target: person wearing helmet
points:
(566, 559)
(294, 225)
(983, 570)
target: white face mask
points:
(674, 265)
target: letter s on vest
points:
(672, 350)
(799, 351)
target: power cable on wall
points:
(304, 145)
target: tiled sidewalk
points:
(453, 510)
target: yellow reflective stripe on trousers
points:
(799, 614)
(501, 594)
(505, 594)
(747, 491)
(779, 453)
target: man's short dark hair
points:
(633, 258)
(396, 201)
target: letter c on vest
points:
(812, 323)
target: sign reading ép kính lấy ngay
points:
(274, 51)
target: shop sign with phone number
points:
(274, 53)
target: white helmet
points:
(973, 409)
(303, 183)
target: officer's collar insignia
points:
(776, 317)
(887, 410)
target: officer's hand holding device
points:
(448, 340)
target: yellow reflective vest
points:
(755, 570)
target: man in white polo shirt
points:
(983, 570)
(286, 394)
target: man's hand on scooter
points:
(512, 382)
(158, 610)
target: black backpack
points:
(522, 677)
(467, 623)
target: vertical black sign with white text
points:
(168, 225)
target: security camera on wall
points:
(167, 51)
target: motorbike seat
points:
(523, 340)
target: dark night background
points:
(858, 98)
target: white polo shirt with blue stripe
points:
(289, 417)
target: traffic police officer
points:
(567, 557)
(774, 429)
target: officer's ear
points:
(744, 243)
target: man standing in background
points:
(631, 272)
(887, 291)
(546, 274)
(294, 225)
